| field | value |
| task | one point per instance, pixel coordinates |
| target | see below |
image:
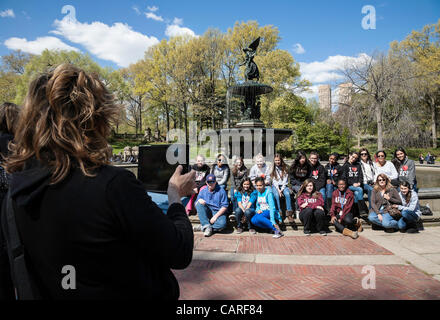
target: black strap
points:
(25, 288)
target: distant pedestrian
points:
(421, 158)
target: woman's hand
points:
(395, 206)
(213, 220)
(180, 185)
(320, 208)
(333, 219)
(379, 216)
(259, 212)
(305, 204)
(357, 184)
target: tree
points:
(422, 48)
(48, 60)
(11, 68)
(376, 77)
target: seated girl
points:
(202, 170)
(352, 173)
(383, 197)
(332, 171)
(341, 211)
(239, 173)
(246, 198)
(311, 204)
(221, 171)
(279, 177)
(299, 171)
(266, 216)
(410, 208)
(260, 169)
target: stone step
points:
(427, 221)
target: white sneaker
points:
(208, 232)
(278, 234)
(197, 227)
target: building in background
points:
(345, 92)
(325, 97)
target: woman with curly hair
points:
(73, 208)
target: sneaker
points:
(252, 231)
(197, 227)
(278, 234)
(307, 232)
(239, 230)
(323, 233)
(232, 218)
(208, 232)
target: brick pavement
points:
(231, 280)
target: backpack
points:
(426, 211)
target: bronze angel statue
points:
(252, 71)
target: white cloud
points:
(153, 8)
(298, 48)
(118, 43)
(178, 21)
(37, 46)
(175, 29)
(329, 69)
(8, 13)
(151, 15)
(136, 9)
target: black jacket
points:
(333, 172)
(317, 173)
(297, 175)
(120, 243)
(352, 173)
(201, 174)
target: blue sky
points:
(116, 33)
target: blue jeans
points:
(358, 193)
(322, 190)
(387, 221)
(408, 216)
(262, 220)
(205, 214)
(233, 200)
(276, 196)
(368, 189)
(329, 188)
(249, 213)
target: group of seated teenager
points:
(313, 191)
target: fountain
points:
(250, 90)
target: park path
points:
(240, 267)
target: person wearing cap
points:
(211, 205)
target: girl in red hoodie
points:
(311, 205)
(341, 211)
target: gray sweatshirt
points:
(257, 172)
(413, 204)
(221, 174)
(407, 171)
